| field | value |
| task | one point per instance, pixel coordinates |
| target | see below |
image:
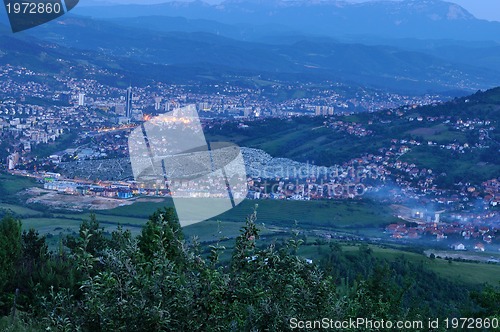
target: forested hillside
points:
(159, 281)
(436, 132)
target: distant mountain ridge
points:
(427, 19)
(191, 48)
(382, 67)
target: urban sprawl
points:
(92, 122)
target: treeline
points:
(158, 281)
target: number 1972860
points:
(472, 323)
(33, 8)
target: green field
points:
(349, 216)
(19, 210)
(139, 209)
(471, 273)
(439, 133)
(457, 167)
(104, 218)
(11, 185)
(51, 225)
(466, 272)
(274, 218)
(323, 214)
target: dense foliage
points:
(160, 282)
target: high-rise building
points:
(128, 103)
(157, 103)
(12, 161)
(81, 99)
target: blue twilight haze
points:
(483, 9)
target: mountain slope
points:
(308, 140)
(54, 59)
(315, 59)
(429, 19)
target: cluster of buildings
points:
(34, 112)
(198, 188)
(36, 109)
(352, 128)
(479, 128)
(492, 190)
(110, 190)
(477, 236)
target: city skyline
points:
(128, 102)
